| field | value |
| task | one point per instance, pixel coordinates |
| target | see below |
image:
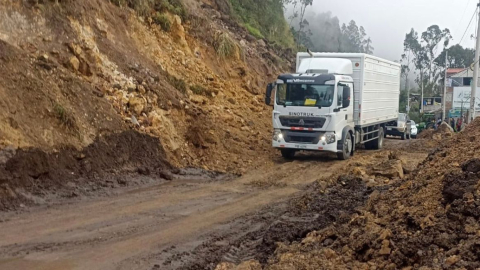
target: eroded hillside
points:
(76, 70)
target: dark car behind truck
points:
(399, 128)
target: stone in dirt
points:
(74, 63)
(137, 104)
(389, 169)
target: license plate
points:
(389, 128)
(300, 146)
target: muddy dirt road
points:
(166, 226)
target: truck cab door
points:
(344, 105)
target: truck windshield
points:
(310, 95)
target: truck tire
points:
(288, 153)
(346, 148)
(378, 143)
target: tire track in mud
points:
(286, 222)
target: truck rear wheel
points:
(346, 148)
(288, 153)
(378, 143)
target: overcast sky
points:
(387, 21)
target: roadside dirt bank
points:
(32, 176)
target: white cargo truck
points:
(334, 102)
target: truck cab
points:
(311, 111)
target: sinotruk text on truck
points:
(334, 102)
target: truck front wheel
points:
(346, 148)
(288, 153)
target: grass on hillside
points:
(264, 19)
(149, 7)
(163, 20)
(65, 117)
(254, 31)
(224, 45)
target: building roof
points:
(453, 71)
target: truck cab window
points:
(340, 95)
(307, 95)
(281, 93)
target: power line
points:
(475, 13)
(463, 15)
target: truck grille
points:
(301, 136)
(305, 122)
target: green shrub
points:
(224, 45)
(173, 6)
(200, 90)
(64, 116)
(179, 84)
(254, 31)
(163, 20)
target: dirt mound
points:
(431, 219)
(444, 131)
(33, 171)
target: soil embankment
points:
(31, 175)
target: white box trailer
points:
(376, 86)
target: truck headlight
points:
(329, 138)
(277, 135)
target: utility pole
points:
(421, 101)
(406, 83)
(475, 74)
(444, 117)
(408, 96)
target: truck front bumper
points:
(321, 146)
(305, 140)
(395, 131)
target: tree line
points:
(322, 32)
(424, 58)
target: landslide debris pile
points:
(326, 202)
(29, 173)
(444, 131)
(429, 220)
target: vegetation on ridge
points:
(264, 19)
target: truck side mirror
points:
(268, 94)
(346, 97)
